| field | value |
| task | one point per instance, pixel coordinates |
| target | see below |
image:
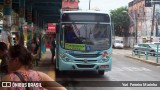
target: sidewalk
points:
(151, 60)
(44, 65)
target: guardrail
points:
(147, 53)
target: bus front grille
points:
(84, 66)
(83, 61)
(86, 55)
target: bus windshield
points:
(86, 37)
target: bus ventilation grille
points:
(86, 55)
(82, 61)
(85, 66)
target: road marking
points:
(118, 53)
(131, 69)
(116, 69)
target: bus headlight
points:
(105, 59)
(62, 56)
(65, 58)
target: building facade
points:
(70, 5)
(141, 21)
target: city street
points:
(123, 69)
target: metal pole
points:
(89, 4)
(152, 23)
(21, 21)
(136, 27)
(29, 32)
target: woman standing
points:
(20, 61)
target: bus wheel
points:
(101, 72)
(56, 70)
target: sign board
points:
(155, 1)
(79, 47)
(51, 26)
(148, 3)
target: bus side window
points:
(62, 36)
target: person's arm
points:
(49, 83)
(5, 78)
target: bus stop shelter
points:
(37, 14)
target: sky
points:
(103, 5)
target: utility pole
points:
(89, 4)
(134, 20)
(136, 27)
(152, 28)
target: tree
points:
(121, 21)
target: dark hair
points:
(22, 53)
(3, 46)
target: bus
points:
(84, 41)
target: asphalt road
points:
(124, 70)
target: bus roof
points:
(87, 11)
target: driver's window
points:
(70, 35)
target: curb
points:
(143, 60)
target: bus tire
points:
(56, 70)
(101, 72)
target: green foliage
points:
(121, 21)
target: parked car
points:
(146, 47)
(118, 44)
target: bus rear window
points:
(85, 17)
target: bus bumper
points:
(85, 66)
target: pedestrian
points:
(34, 53)
(19, 63)
(3, 57)
(52, 49)
(34, 47)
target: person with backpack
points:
(19, 66)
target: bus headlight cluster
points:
(61, 55)
(105, 59)
(65, 58)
